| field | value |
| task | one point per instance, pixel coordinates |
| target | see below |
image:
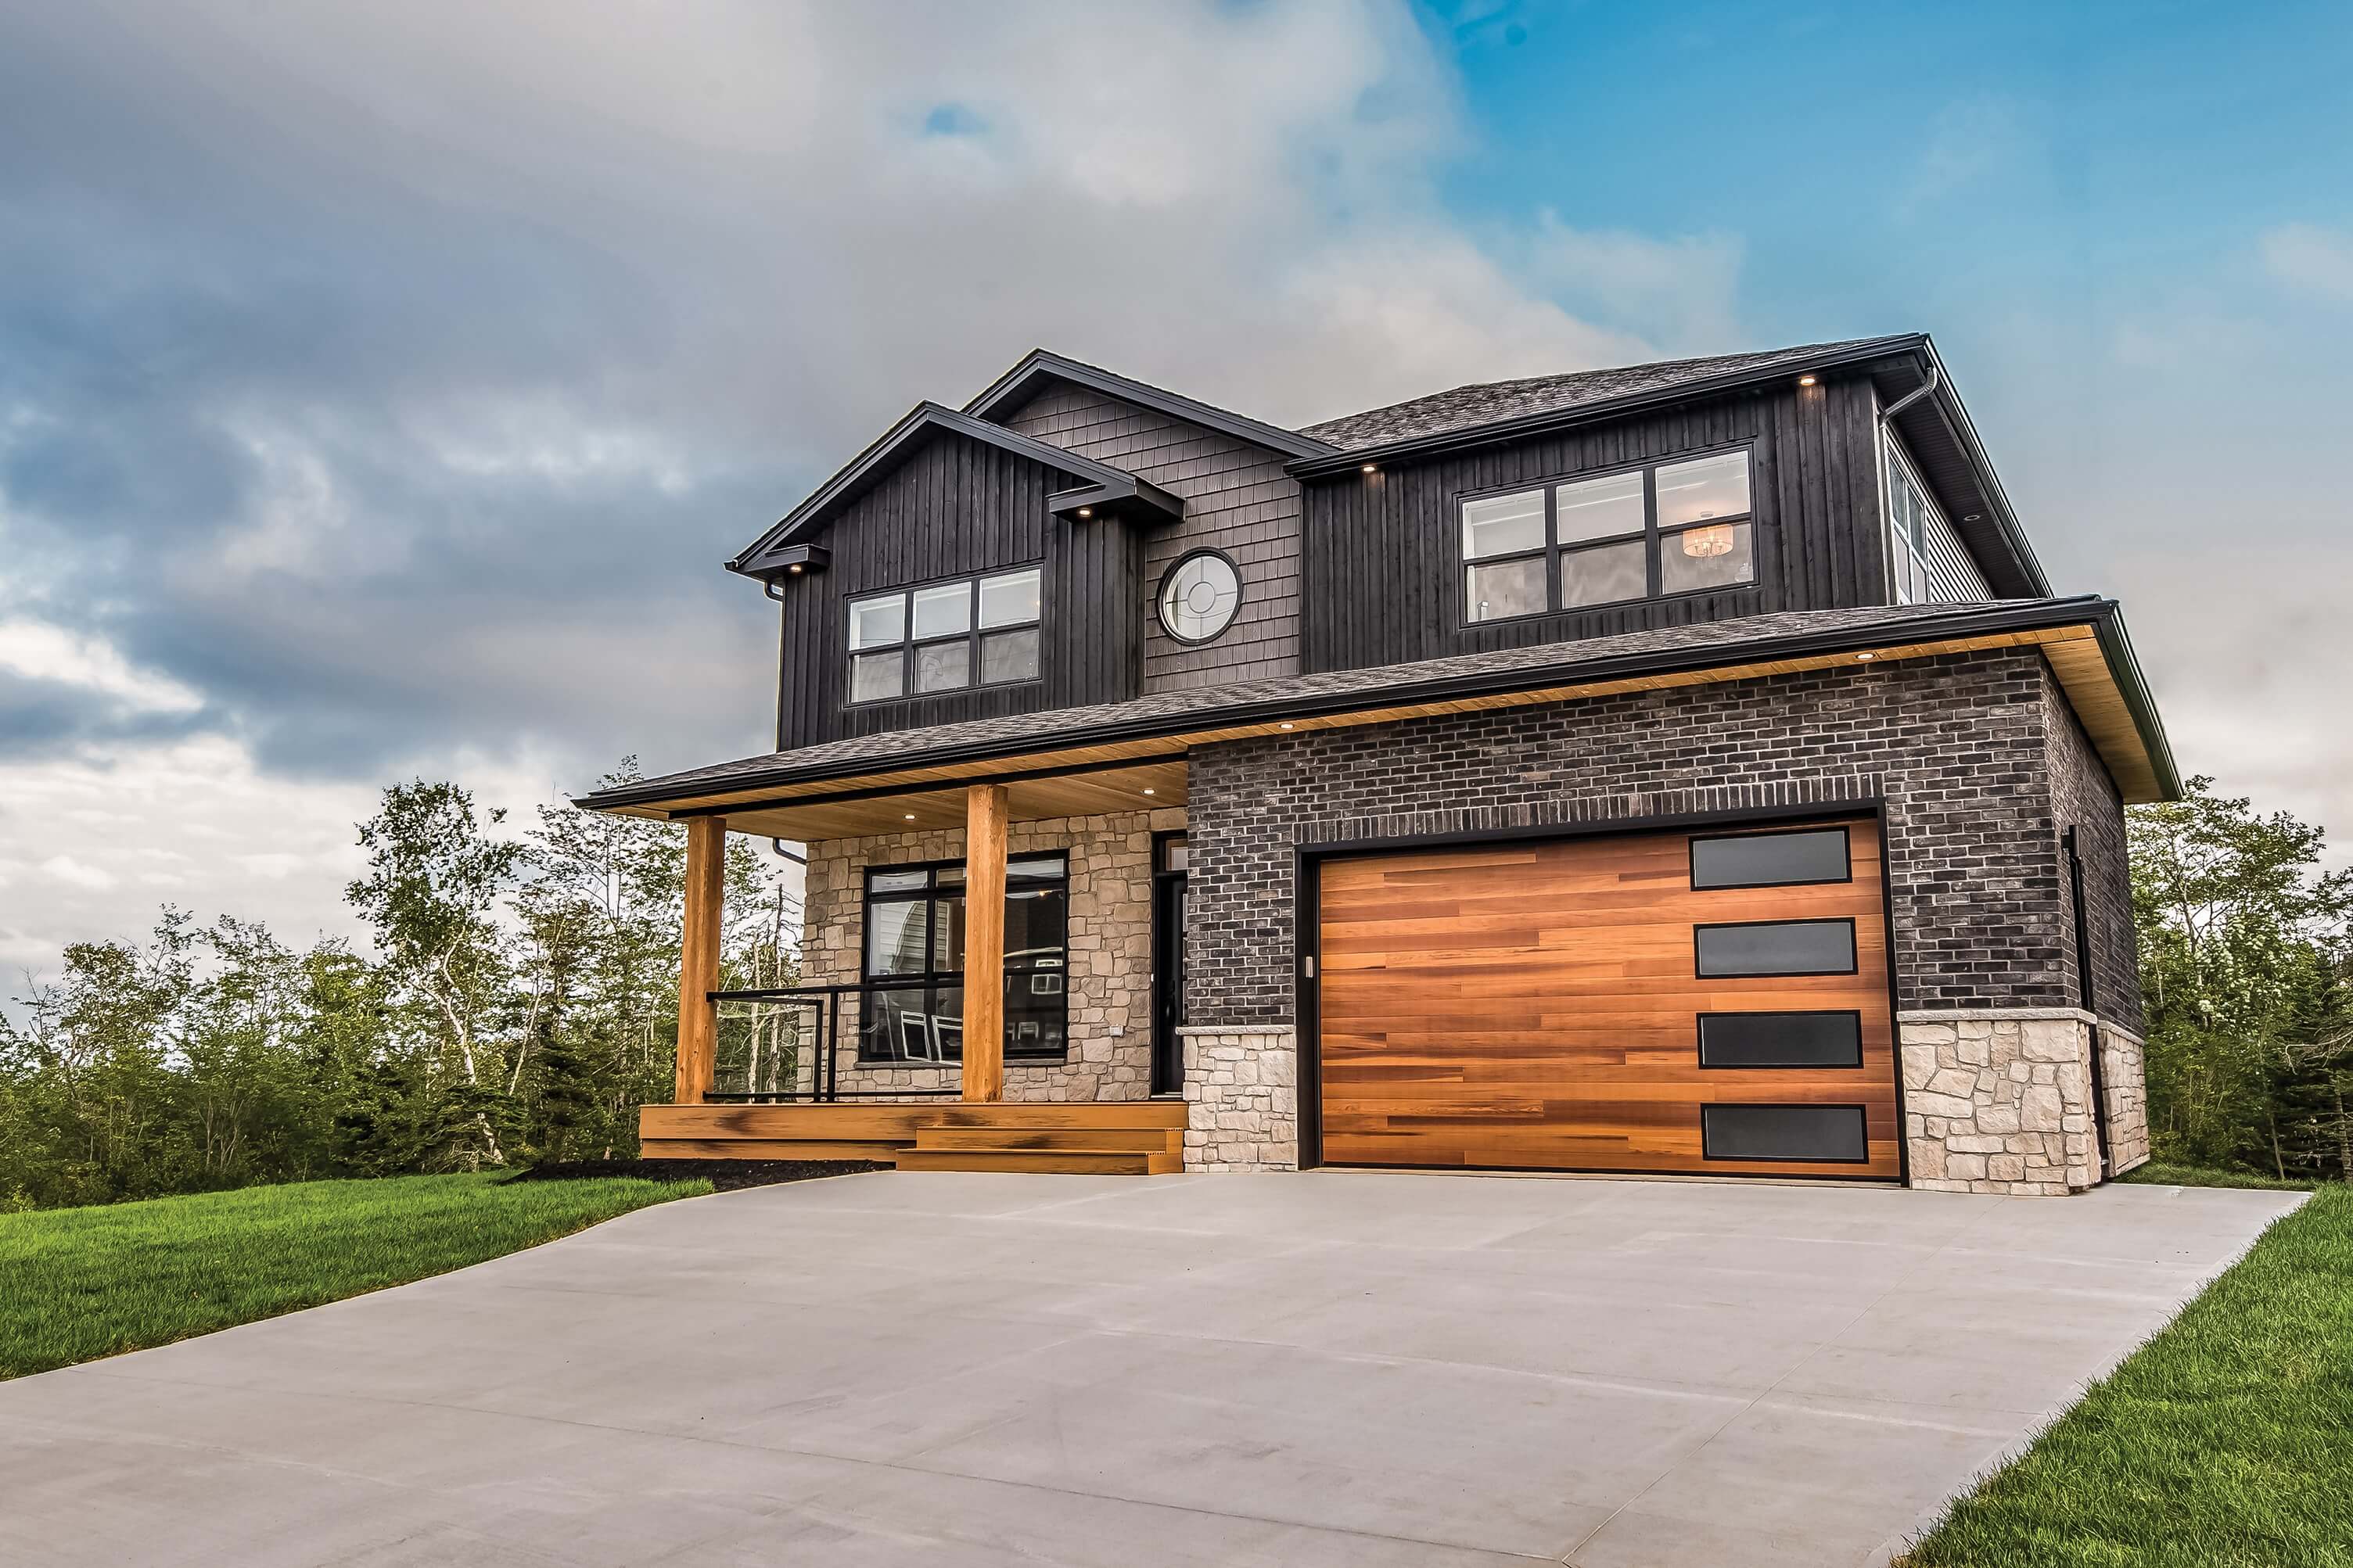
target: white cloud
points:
(40, 651)
(196, 821)
(74, 873)
(2307, 256)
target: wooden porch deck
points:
(1136, 1138)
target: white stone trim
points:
(1979, 1014)
(1190, 1030)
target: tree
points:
(2242, 946)
(434, 880)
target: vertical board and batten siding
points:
(958, 508)
(1237, 500)
(1384, 558)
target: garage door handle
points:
(1308, 965)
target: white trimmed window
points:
(1908, 509)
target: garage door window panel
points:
(1761, 950)
(1757, 1040)
(1795, 1135)
(1771, 859)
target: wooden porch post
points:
(984, 941)
(698, 968)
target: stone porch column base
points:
(1241, 1096)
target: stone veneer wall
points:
(1999, 1101)
(1241, 1091)
(1110, 977)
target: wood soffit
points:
(1148, 773)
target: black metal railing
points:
(782, 1043)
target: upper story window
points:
(977, 631)
(1908, 510)
(1670, 528)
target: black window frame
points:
(1863, 1119)
(1853, 948)
(934, 979)
(1653, 533)
(909, 648)
(1699, 1039)
(1846, 842)
(1160, 595)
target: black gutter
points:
(2091, 610)
(2116, 647)
(1957, 420)
(1529, 425)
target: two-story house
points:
(1680, 768)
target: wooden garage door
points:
(1612, 1004)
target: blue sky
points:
(383, 381)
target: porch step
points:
(1119, 1113)
(1055, 1162)
(1067, 1139)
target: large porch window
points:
(913, 1008)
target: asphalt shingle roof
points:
(1493, 402)
(1542, 662)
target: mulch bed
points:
(724, 1176)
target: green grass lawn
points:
(2225, 1442)
(76, 1284)
(2155, 1175)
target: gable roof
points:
(1100, 483)
(1037, 367)
(1486, 402)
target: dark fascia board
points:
(760, 560)
(1009, 389)
(2116, 647)
(1957, 420)
(1527, 425)
(806, 557)
(1964, 621)
(1126, 496)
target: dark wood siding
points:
(1237, 500)
(957, 507)
(1384, 561)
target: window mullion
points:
(1653, 568)
(1552, 548)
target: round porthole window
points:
(1199, 596)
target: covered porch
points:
(864, 1062)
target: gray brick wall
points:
(2083, 794)
(1238, 500)
(1959, 747)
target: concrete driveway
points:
(1336, 1368)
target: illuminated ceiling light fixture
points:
(1149, 790)
(1805, 381)
(795, 568)
(1371, 468)
(911, 817)
(1866, 658)
(1706, 541)
(1086, 512)
(1291, 726)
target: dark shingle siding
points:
(1493, 402)
(1957, 746)
(1238, 500)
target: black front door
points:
(1168, 963)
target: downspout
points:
(2089, 997)
(1879, 461)
(1935, 375)
(768, 586)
